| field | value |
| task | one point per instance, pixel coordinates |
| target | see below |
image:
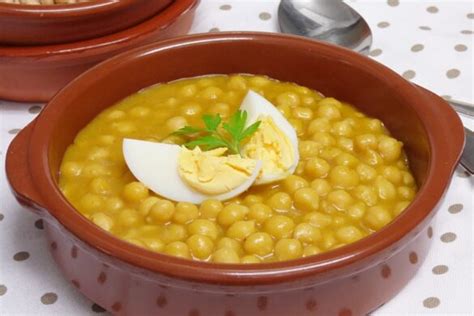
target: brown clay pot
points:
(22, 24)
(36, 73)
(351, 280)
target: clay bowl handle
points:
(18, 171)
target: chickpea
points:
(71, 169)
(308, 101)
(113, 204)
(280, 201)
(135, 192)
(203, 227)
(173, 232)
(116, 115)
(225, 255)
(329, 240)
(392, 174)
(346, 159)
(310, 250)
(293, 183)
(343, 177)
(357, 210)
(390, 148)
(340, 199)
(348, 234)
(191, 109)
(102, 220)
(323, 138)
(205, 82)
(308, 148)
(95, 170)
(153, 244)
(252, 199)
(307, 233)
(259, 243)
(343, 128)
(407, 178)
(320, 124)
(260, 212)
(366, 141)
(298, 126)
(188, 90)
(287, 249)
(211, 93)
(321, 186)
(100, 186)
(146, 205)
(161, 211)
(259, 81)
(330, 153)
(237, 83)
(139, 111)
(377, 217)
(210, 208)
(91, 203)
(317, 167)
(232, 213)
(285, 109)
(229, 243)
(303, 113)
(128, 217)
(346, 144)
(223, 109)
(328, 109)
(241, 230)
(374, 125)
(299, 168)
(185, 212)
(288, 98)
(366, 173)
(366, 194)
(306, 199)
(174, 139)
(385, 189)
(175, 123)
(123, 127)
(177, 249)
(318, 219)
(279, 226)
(406, 193)
(400, 207)
(250, 259)
(200, 246)
(372, 157)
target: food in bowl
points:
(44, 2)
(348, 178)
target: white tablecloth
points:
(429, 42)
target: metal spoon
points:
(335, 22)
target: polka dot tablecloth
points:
(428, 42)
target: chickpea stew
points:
(351, 180)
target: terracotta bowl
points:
(36, 73)
(352, 280)
(51, 24)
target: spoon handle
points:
(462, 107)
(467, 158)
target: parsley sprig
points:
(229, 136)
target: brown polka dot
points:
(21, 256)
(74, 252)
(49, 298)
(345, 312)
(448, 237)
(460, 48)
(413, 257)
(466, 32)
(430, 232)
(375, 52)
(386, 271)
(97, 308)
(432, 9)
(470, 15)
(54, 245)
(311, 305)
(102, 278)
(409, 74)
(161, 301)
(393, 3)
(453, 73)
(225, 7)
(455, 208)
(76, 283)
(117, 307)
(194, 312)
(14, 131)
(417, 48)
(39, 224)
(229, 313)
(265, 16)
(431, 302)
(383, 24)
(1, 217)
(425, 28)
(214, 29)
(34, 109)
(3, 289)
(440, 269)
(262, 303)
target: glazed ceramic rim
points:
(63, 10)
(104, 43)
(429, 195)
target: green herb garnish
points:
(230, 136)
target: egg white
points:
(257, 105)
(156, 166)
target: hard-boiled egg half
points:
(180, 174)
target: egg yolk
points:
(270, 145)
(211, 173)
